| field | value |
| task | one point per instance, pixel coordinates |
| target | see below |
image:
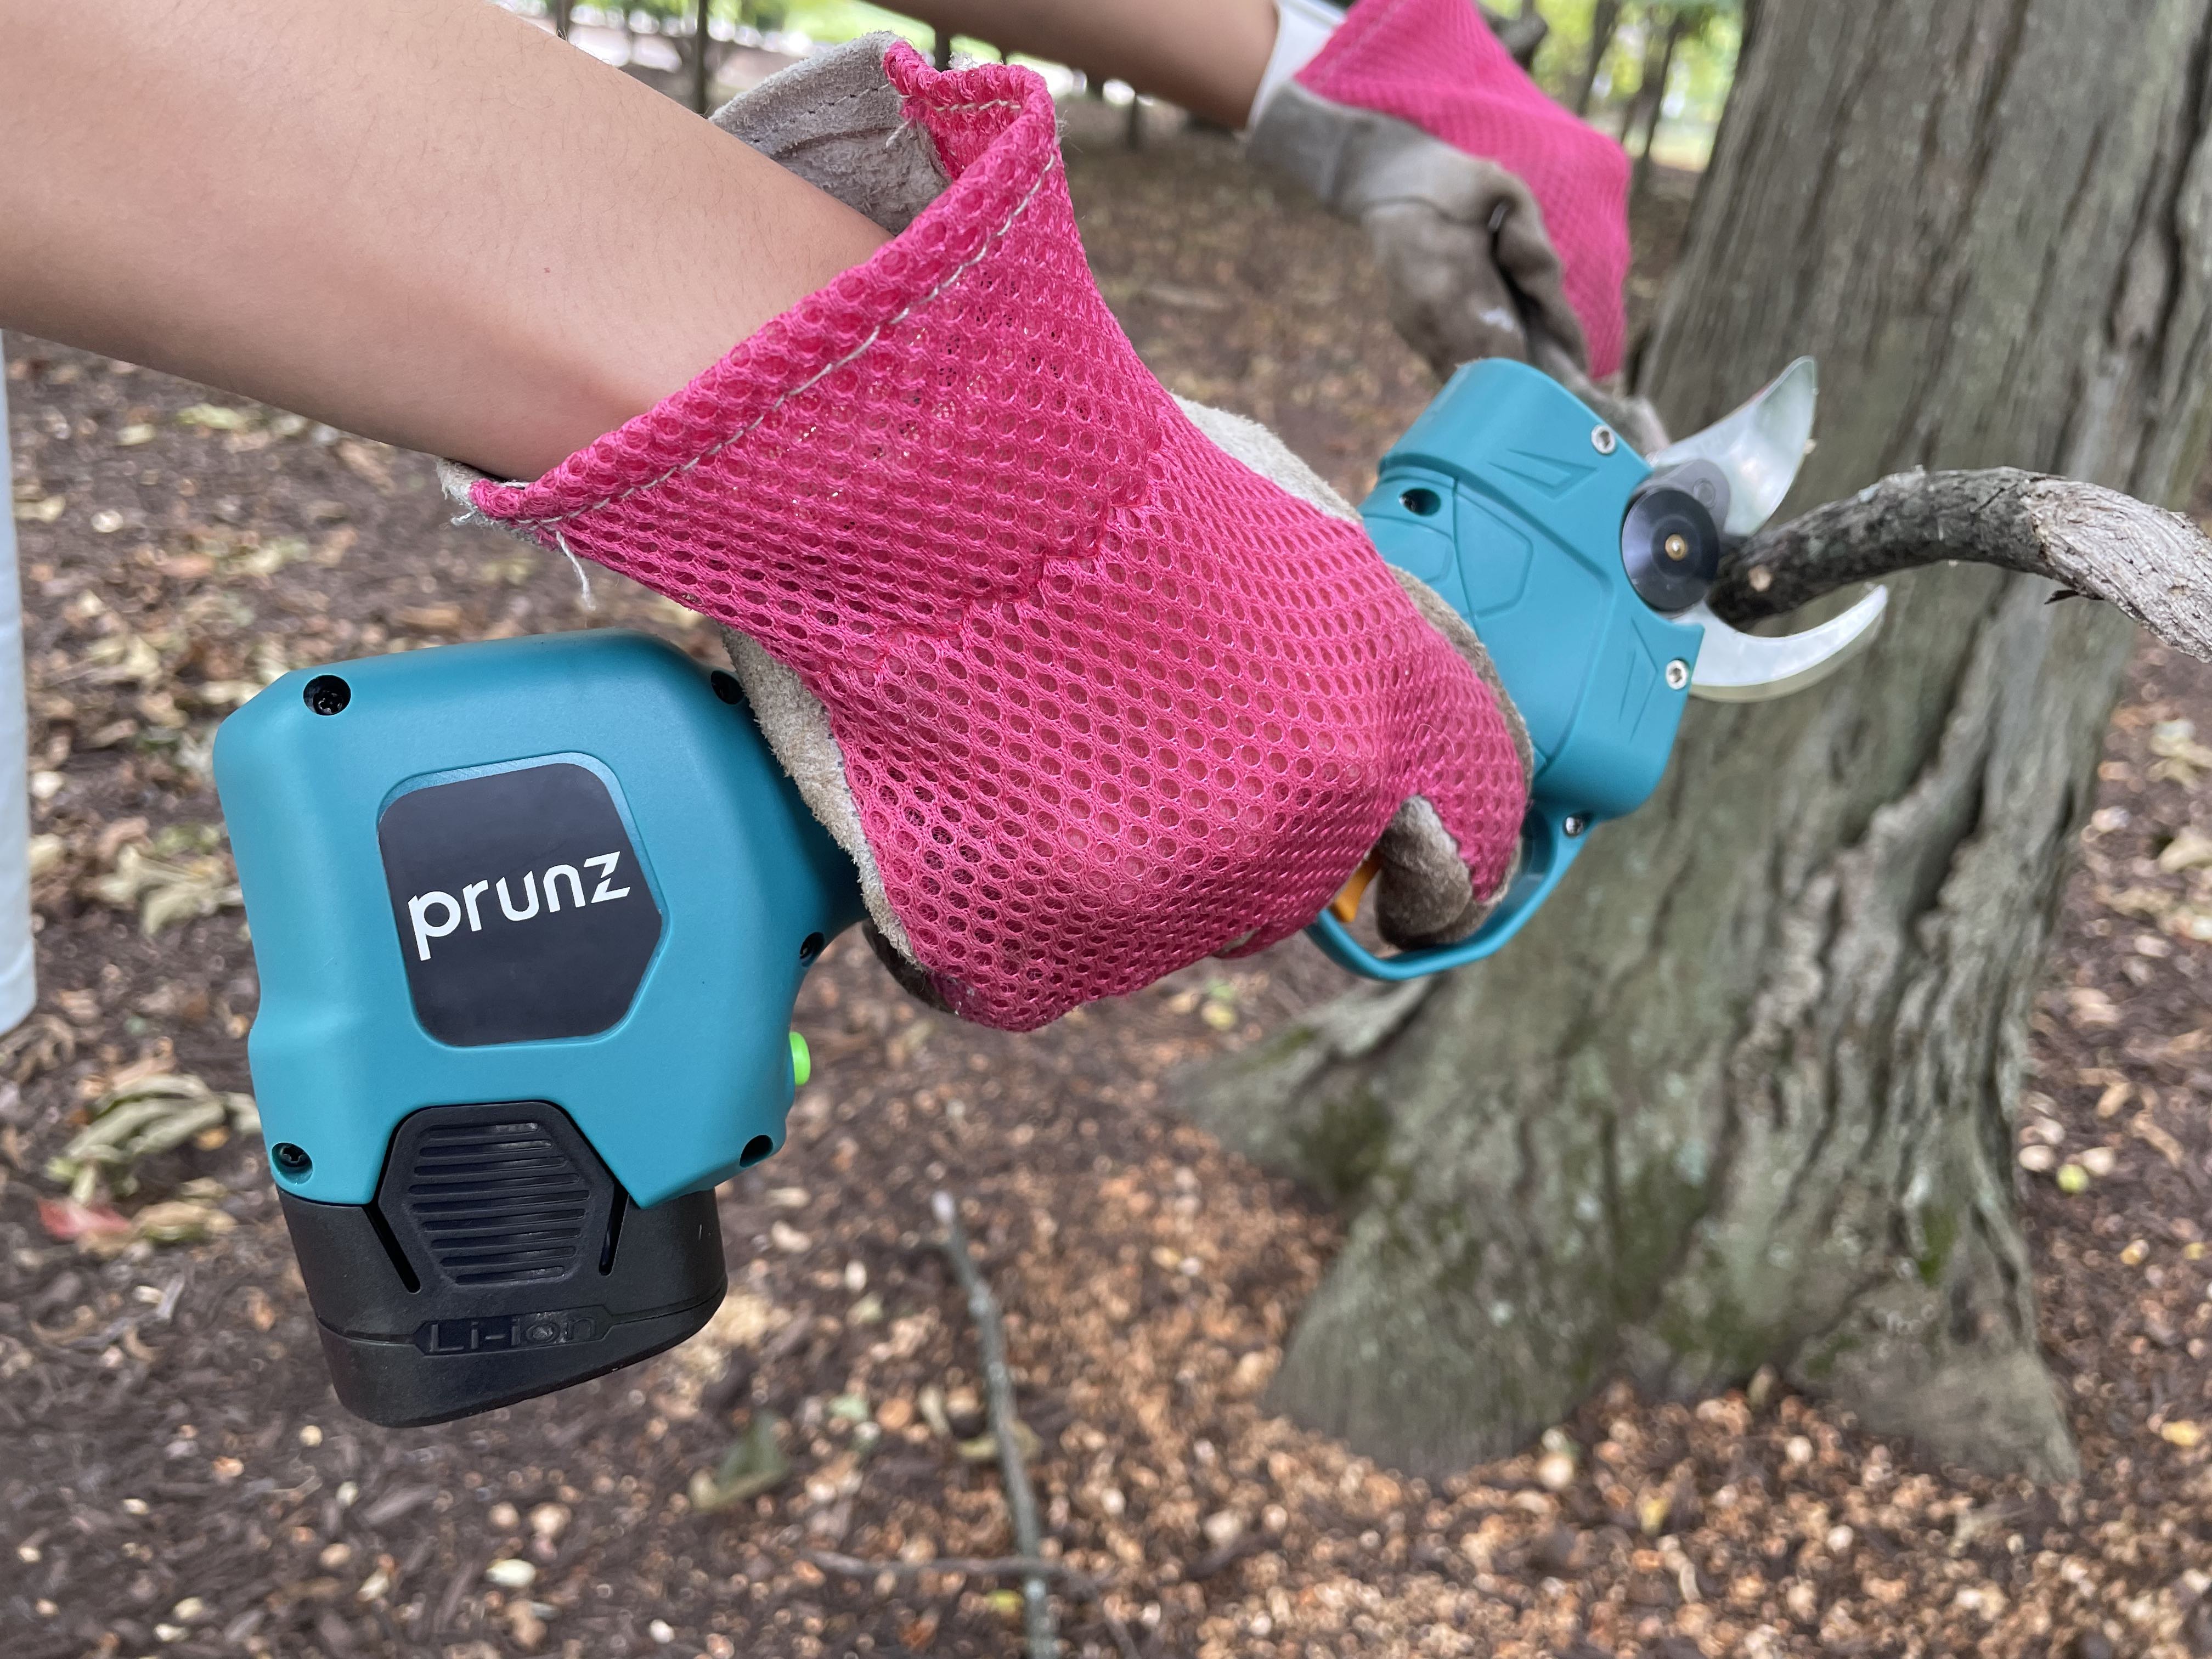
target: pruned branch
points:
(1035, 1569)
(2154, 565)
(998, 1404)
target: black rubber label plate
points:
(521, 913)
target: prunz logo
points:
(505, 1333)
(523, 910)
(450, 910)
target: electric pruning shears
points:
(500, 893)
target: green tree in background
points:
(1633, 65)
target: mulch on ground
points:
(176, 1477)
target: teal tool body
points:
(529, 916)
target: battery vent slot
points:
(498, 1203)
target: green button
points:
(802, 1063)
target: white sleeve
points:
(1302, 28)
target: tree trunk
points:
(702, 60)
(1651, 101)
(1605, 19)
(1744, 1092)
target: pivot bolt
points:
(1603, 441)
(1678, 675)
(1677, 547)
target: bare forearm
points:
(1206, 55)
(425, 220)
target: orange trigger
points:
(1346, 905)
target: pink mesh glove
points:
(1500, 218)
(1086, 696)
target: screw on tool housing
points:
(327, 694)
(1678, 675)
(1603, 441)
(292, 1160)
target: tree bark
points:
(1651, 101)
(1605, 20)
(1743, 1094)
(702, 60)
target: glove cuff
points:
(1302, 29)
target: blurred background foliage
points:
(1654, 73)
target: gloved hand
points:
(1090, 685)
(1500, 219)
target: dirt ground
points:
(176, 1477)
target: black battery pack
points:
(499, 1261)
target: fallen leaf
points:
(753, 1465)
(366, 460)
(41, 510)
(137, 1116)
(181, 1221)
(45, 854)
(2183, 1433)
(216, 417)
(2148, 1129)
(2190, 850)
(2180, 757)
(168, 885)
(524, 1625)
(2091, 1006)
(984, 1447)
(254, 557)
(124, 658)
(549, 1521)
(66, 1219)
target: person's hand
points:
(1091, 684)
(1499, 218)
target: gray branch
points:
(999, 1402)
(2154, 565)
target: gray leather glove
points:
(1471, 273)
(1499, 219)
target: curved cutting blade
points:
(1738, 667)
(1759, 447)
